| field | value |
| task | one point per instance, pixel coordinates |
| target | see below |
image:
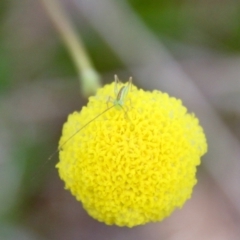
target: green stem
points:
(88, 75)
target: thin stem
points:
(88, 75)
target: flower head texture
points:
(132, 164)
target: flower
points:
(132, 164)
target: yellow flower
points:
(133, 165)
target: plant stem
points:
(89, 77)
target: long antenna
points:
(57, 150)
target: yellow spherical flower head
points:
(133, 164)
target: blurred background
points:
(190, 49)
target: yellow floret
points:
(133, 165)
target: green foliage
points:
(5, 70)
(214, 25)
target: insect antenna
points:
(59, 148)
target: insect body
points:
(122, 93)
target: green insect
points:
(118, 102)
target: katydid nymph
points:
(118, 102)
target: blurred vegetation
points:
(213, 24)
(37, 73)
